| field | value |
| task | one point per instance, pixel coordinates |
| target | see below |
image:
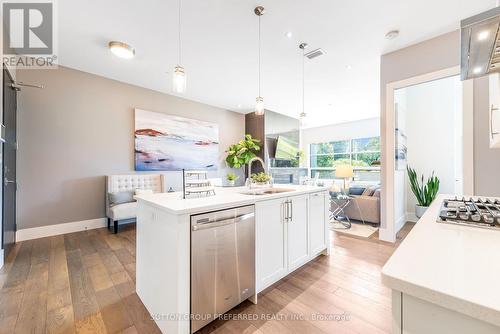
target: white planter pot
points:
(231, 183)
(420, 210)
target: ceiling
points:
(219, 48)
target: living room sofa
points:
(365, 206)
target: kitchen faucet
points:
(249, 179)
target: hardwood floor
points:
(85, 283)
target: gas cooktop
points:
(478, 212)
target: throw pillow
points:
(368, 191)
(143, 191)
(356, 191)
(121, 197)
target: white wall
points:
(434, 129)
(358, 129)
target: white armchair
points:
(128, 183)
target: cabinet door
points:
(271, 264)
(297, 234)
(494, 110)
(317, 229)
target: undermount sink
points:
(277, 190)
(266, 191)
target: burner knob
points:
(488, 219)
(464, 215)
(476, 217)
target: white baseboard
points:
(410, 216)
(400, 223)
(1, 258)
(57, 229)
(385, 235)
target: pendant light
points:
(303, 115)
(179, 75)
(259, 101)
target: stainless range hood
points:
(480, 44)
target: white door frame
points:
(388, 230)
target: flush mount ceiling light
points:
(122, 50)
(289, 34)
(179, 76)
(303, 115)
(259, 101)
(392, 34)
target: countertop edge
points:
(252, 199)
(456, 304)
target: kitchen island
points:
(291, 229)
(445, 278)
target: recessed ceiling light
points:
(289, 34)
(239, 106)
(392, 34)
(477, 70)
(483, 35)
(122, 50)
(348, 67)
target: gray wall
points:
(81, 128)
(437, 54)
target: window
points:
(361, 153)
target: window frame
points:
(351, 153)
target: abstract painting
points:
(166, 143)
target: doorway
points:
(9, 184)
(395, 210)
(429, 136)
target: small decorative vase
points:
(420, 210)
(231, 183)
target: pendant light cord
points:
(259, 56)
(179, 32)
(303, 83)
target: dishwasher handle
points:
(222, 222)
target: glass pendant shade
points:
(259, 106)
(179, 80)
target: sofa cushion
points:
(370, 190)
(123, 211)
(120, 197)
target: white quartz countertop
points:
(226, 197)
(456, 267)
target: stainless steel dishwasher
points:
(222, 262)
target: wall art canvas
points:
(166, 143)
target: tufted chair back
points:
(130, 182)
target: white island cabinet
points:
(444, 278)
(291, 229)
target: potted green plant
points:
(231, 178)
(260, 178)
(239, 154)
(424, 192)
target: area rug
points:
(359, 230)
